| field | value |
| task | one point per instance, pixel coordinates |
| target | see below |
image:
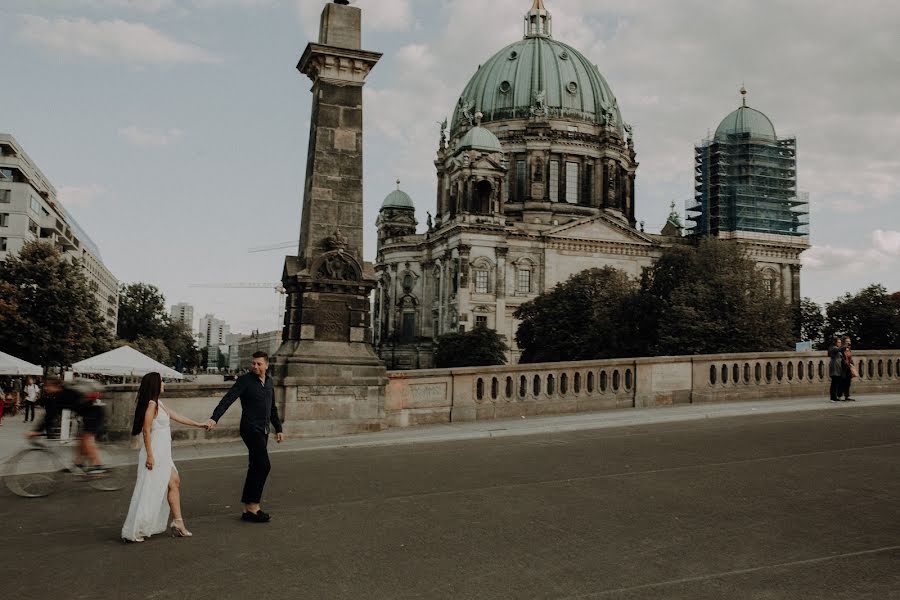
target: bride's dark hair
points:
(151, 387)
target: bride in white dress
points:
(156, 491)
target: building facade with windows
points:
(30, 210)
(183, 313)
(746, 190)
(535, 183)
(213, 332)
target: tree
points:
(142, 312)
(144, 324)
(476, 348)
(48, 315)
(812, 322)
(871, 317)
(720, 305)
(587, 317)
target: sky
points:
(175, 131)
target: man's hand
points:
(279, 437)
(210, 425)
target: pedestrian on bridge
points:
(257, 394)
(836, 368)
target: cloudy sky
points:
(176, 130)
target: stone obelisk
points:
(328, 378)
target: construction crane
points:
(273, 247)
(279, 290)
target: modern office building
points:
(213, 332)
(30, 210)
(183, 313)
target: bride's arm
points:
(184, 420)
(149, 415)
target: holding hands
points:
(209, 425)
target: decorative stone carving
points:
(336, 241)
(336, 266)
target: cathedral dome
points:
(538, 72)
(479, 138)
(746, 120)
(398, 199)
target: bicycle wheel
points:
(33, 473)
(114, 478)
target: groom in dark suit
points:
(257, 396)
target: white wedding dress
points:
(149, 510)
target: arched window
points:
(481, 203)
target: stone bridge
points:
(435, 396)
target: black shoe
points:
(257, 517)
(849, 399)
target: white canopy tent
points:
(10, 365)
(124, 362)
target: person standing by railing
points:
(32, 391)
(836, 368)
(849, 368)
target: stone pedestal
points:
(328, 378)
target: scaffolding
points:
(747, 184)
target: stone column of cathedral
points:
(327, 338)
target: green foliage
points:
(48, 315)
(871, 317)
(476, 348)
(720, 305)
(583, 318)
(144, 325)
(812, 322)
(702, 299)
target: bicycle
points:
(36, 471)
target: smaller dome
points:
(398, 199)
(479, 138)
(746, 120)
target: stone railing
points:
(485, 393)
(478, 393)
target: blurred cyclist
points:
(81, 399)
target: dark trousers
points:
(837, 386)
(258, 467)
(845, 386)
(29, 407)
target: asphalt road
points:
(779, 506)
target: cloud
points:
(234, 3)
(112, 41)
(887, 242)
(147, 137)
(378, 15)
(148, 6)
(75, 196)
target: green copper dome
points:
(746, 120)
(539, 74)
(398, 199)
(479, 138)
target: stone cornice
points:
(340, 65)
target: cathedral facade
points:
(535, 183)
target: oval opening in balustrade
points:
(495, 388)
(821, 369)
(713, 374)
(735, 374)
(897, 368)
(871, 369)
(479, 389)
(790, 371)
(890, 365)
(757, 372)
(551, 385)
(509, 388)
(724, 374)
(746, 372)
(576, 383)
(769, 372)
(536, 385)
(523, 386)
(563, 384)
(801, 368)
(779, 371)
(603, 381)
(811, 369)
(880, 368)
(590, 382)
(617, 380)
(628, 379)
